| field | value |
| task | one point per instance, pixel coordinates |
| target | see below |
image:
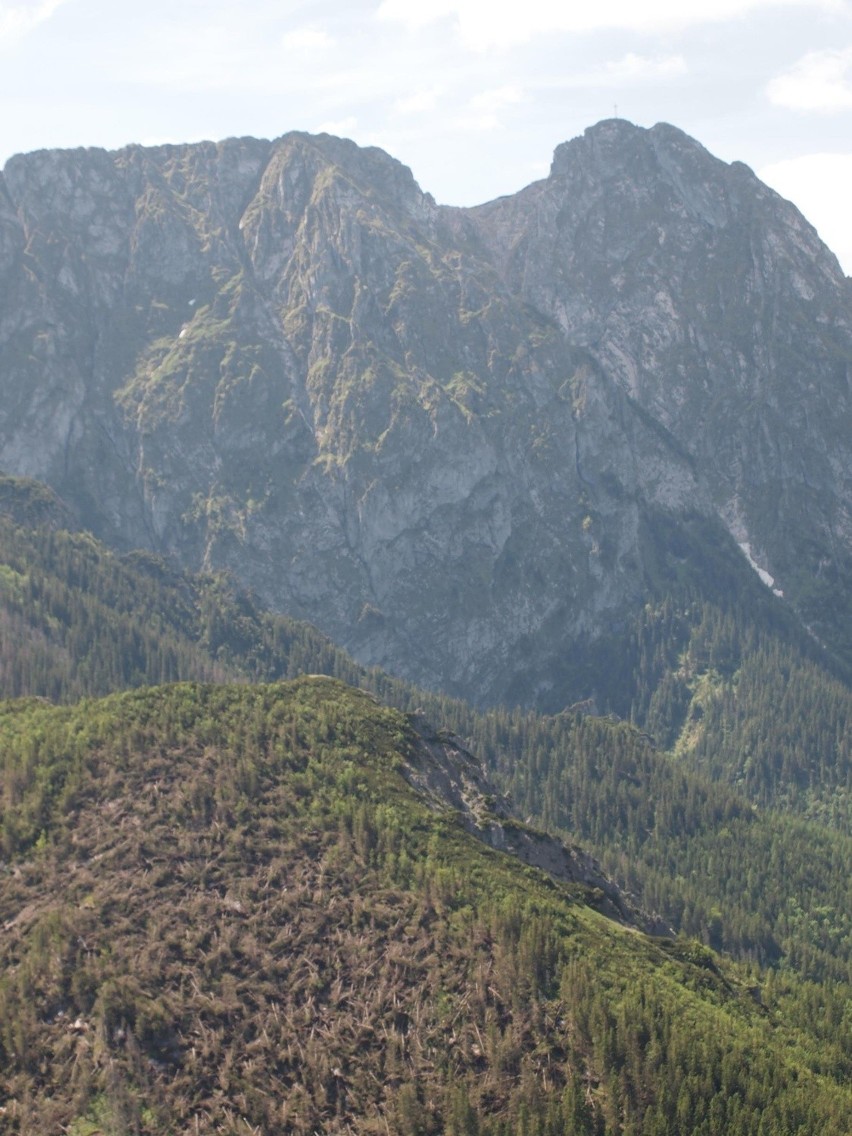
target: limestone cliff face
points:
(713, 303)
(441, 435)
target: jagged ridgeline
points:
(465, 443)
(240, 914)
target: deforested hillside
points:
(231, 908)
(756, 866)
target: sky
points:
(473, 95)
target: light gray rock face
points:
(441, 435)
(714, 304)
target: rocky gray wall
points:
(438, 434)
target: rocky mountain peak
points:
(610, 144)
(440, 434)
(376, 173)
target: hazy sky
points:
(472, 94)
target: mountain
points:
(246, 910)
(715, 306)
(468, 444)
(582, 449)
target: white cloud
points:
(638, 68)
(306, 39)
(421, 102)
(820, 80)
(631, 68)
(497, 98)
(484, 24)
(821, 186)
(483, 111)
(342, 126)
(323, 71)
(161, 140)
(20, 17)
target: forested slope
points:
(79, 619)
(769, 885)
(239, 914)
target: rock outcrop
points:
(445, 436)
